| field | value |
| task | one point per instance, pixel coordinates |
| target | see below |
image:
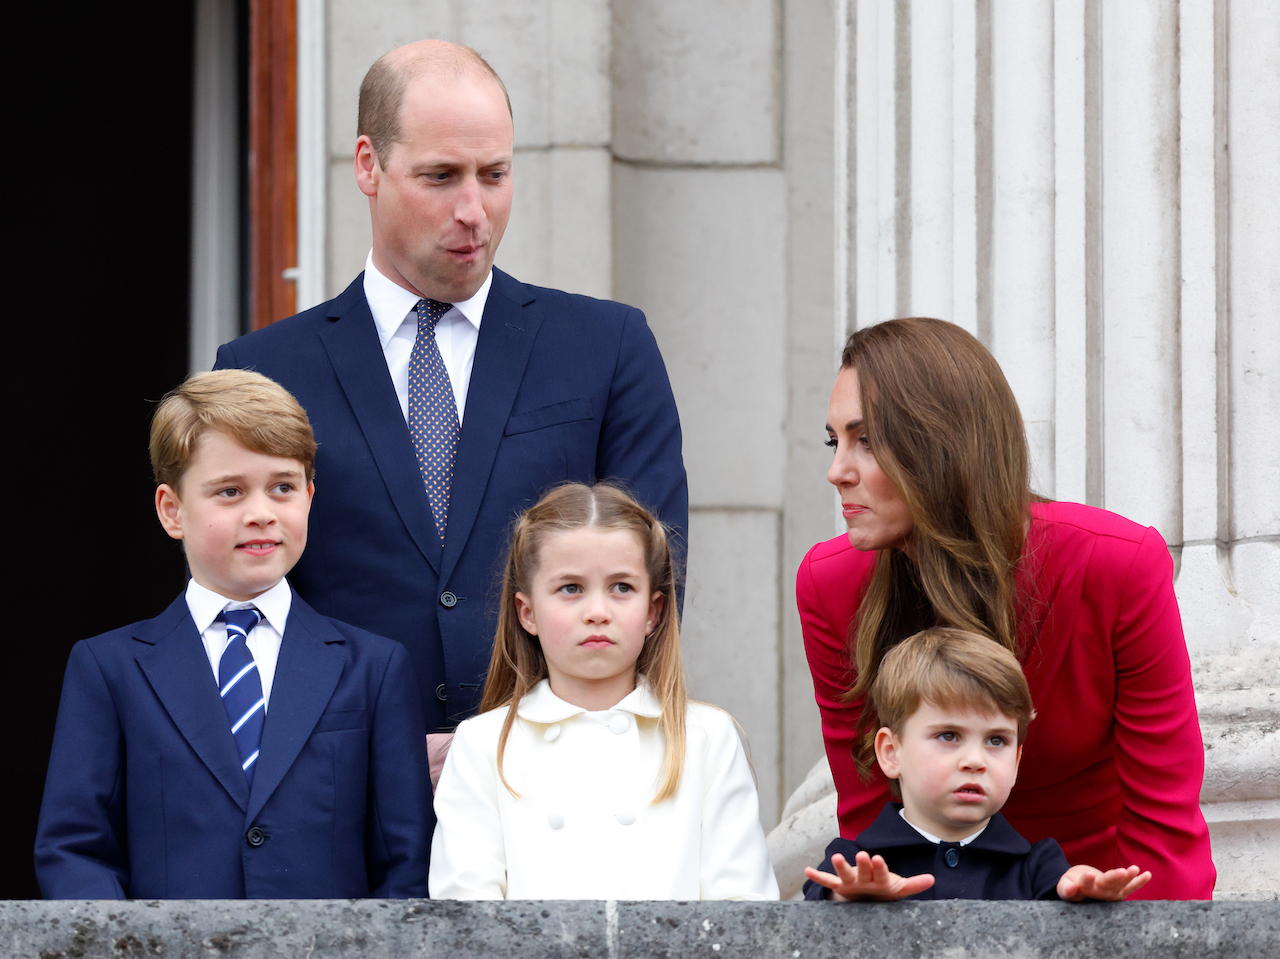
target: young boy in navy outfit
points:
(239, 745)
(954, 708)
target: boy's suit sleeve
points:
(80, 851)
(400, 822)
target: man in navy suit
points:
(239, 744)
(545, 386)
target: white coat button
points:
(619, 724)
(551, 733)
(555, 820)
(625, 816)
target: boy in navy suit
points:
(954, 708)
(239, 745)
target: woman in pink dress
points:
(931, 465)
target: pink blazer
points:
(1113, 761)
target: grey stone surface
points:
(373, 929)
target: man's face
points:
(440, 198)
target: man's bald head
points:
(382, 92)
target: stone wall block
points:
(1141, 263)
(730, 631)
(1022, 244)
(350, 236)
(695, 82)
(701, 253)
(525, 252)
(582, 220)
(1254, 136)
(360, 32)
(515, 39)
(580, 90)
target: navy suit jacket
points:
(145, 797)
(999, 864)
(563, 387)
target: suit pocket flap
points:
(335, 719)
(570, 411)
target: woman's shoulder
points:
(836, 560)
(1098, 536)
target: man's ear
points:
(368, 170)
(524, 613)
(887, 752)
(168, 510)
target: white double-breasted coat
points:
(584, 825)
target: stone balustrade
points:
(379, 929)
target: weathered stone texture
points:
(372, 929)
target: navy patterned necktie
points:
(242, 687)
(433, 413)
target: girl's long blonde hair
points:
(944, 426)
(517, 664)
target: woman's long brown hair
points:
(517, 663)
(944, 426)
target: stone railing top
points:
(380, 929)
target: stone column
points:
(1122, 163)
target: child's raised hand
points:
(1086, 882)
(868, 878)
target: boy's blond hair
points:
(950, 669)
(257, 412)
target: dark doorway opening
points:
(102, 226)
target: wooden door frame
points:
(273, 160)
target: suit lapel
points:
(506, 338)
(307, 673)
(356, 354)
(177, 668)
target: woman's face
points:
(873, 506)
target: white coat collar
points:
(541, 705)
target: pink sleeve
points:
(824, 643)
(1159, 750)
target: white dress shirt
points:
(263, 640)
(584, 826)
(457, 331)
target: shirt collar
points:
(390, 303)
(541, 705)
(937, 839)
(205, 605)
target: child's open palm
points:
(868, 878)
(1087, 882)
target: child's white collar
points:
(541, 705)
(936, 839)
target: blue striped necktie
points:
(241, 686)
(433, 413)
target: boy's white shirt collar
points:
(390, 302)
(936, 839)
(541, 705)
(205, 605)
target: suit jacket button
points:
(953, 858)
(619, 724)
(625, 817)
(555, 820)
(255, 836)
(442, 693)
(448, 600)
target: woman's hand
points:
(869, 878)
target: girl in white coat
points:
(588, 774)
